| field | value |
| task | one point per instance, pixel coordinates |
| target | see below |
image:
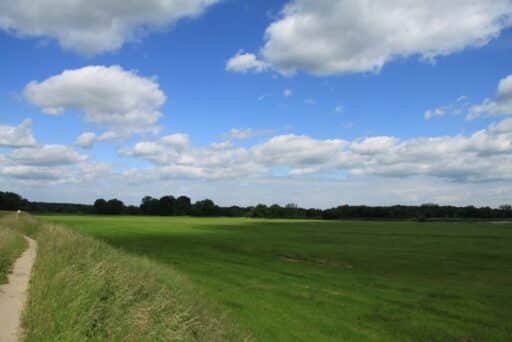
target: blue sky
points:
(306, 112)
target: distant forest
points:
(182, 205)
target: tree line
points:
(182, 205)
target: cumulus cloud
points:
(501, 105)
(445, 169)
(86, 140)
(287, 92)
(347, 36)
(89, 171)
(46, 155)
(228, 161)
(92, 27)
(296, 150)
(245, 62)
(110, 97)
(17, 136)
(44, 175)
(177, 141)
(373, 145)
(55, 164)
(485, 155)
(30, 172)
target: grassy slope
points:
(12, 245)
(313, 280)
(83, 289)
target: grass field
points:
(12, 245)
(83, 289)
(317, 280)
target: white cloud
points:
(339, 109)
(30, 172)
(245, 133)
(501, 105)
(240, 134)
(64, 174)
(91, 171)
(347, 36)
(46, 155)
(86, 140)
(245, 62)
(287, 92)
(109, 136)
(110, 97)
(298, 168)
(17, 136)
(485, 155)
(430, 113)
(162, 151)
(94, 26)
(373, 145)
(310, 101)
(460, 106)
(146, 148)
(177, 141)
(223, 145)
(50, 164)
(296, 151)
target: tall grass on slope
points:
(12, 245)
(82, 289)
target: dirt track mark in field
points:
(13, 294)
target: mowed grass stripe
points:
(321, 280)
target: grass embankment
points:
(292, 280)
(83, 289)
(12, 245)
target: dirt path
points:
(14, 293)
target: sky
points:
(319, 103)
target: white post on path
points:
(17, 216)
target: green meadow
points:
(290, 280)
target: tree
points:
(115, 207)
(132, 210)
(205, 208)
(291, 210)
(275, 211)
(167, 205)
(260, 210)
(182, 206)
(506, 207)
(13, 201)
(150, 206)
(506, 210)
(100, 206)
